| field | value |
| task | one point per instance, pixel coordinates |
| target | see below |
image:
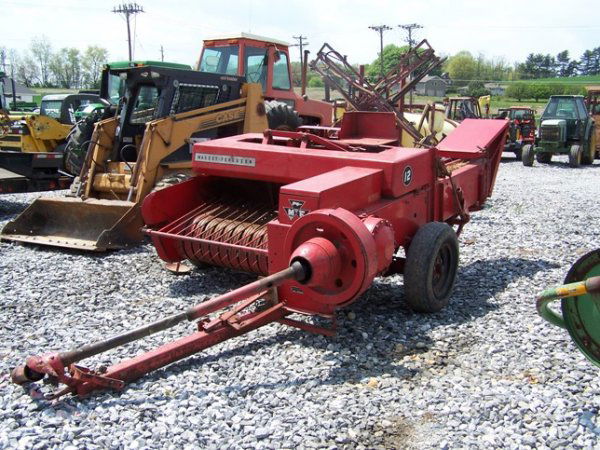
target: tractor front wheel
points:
(575, 156)
(431, 265)
(527, 155)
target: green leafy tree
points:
(540, 91)
(391, 57)
(66, 68)
(477, 89)
(41, 53)
(589, 64)
(315, 81)
(518, 91)
(461, 67)
(91, 64)
(26, 70)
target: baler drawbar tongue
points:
(91, 225)
(60, 367)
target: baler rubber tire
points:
(575, 156)
(281, 117)
(544, 158)
(527, 155)
(434, 244)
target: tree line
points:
(42, 66)
(464, 68)
(547, 66)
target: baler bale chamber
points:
(257, 198)
(318, 218)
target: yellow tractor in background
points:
(48, 130)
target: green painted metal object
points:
(115, 65)
(580, 305)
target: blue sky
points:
(502, 29)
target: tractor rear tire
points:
(575, 156)
(527, 155)
(543, 158)
(431, 266)
(587, 157)
(77, 147)
(281, 117)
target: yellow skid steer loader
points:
(160, 111)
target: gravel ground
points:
(485, 372)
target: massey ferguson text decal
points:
(225, 159)
(296, 209)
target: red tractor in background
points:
(521, 130)
(249, 55)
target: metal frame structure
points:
(388, 93)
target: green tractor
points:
(566, 128)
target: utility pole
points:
(380, 29)
(128, 9)
(162, 54)
(409, 27)
(301, 43)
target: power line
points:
(409, 27)
(300, 44)
(380, 29)
(128, 9)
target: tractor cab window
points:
(581, 109)
(561, 108)
(116, 88)
(281, 75)
(255, 66)
(145, 104)
(51, 108)
(220, 60)
(522, 114)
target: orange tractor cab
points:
(265, 61)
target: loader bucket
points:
(92, 224)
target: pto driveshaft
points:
(228, 325)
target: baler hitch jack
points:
(60, 367)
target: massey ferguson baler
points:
(317, 218)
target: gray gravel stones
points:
(486, 372)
